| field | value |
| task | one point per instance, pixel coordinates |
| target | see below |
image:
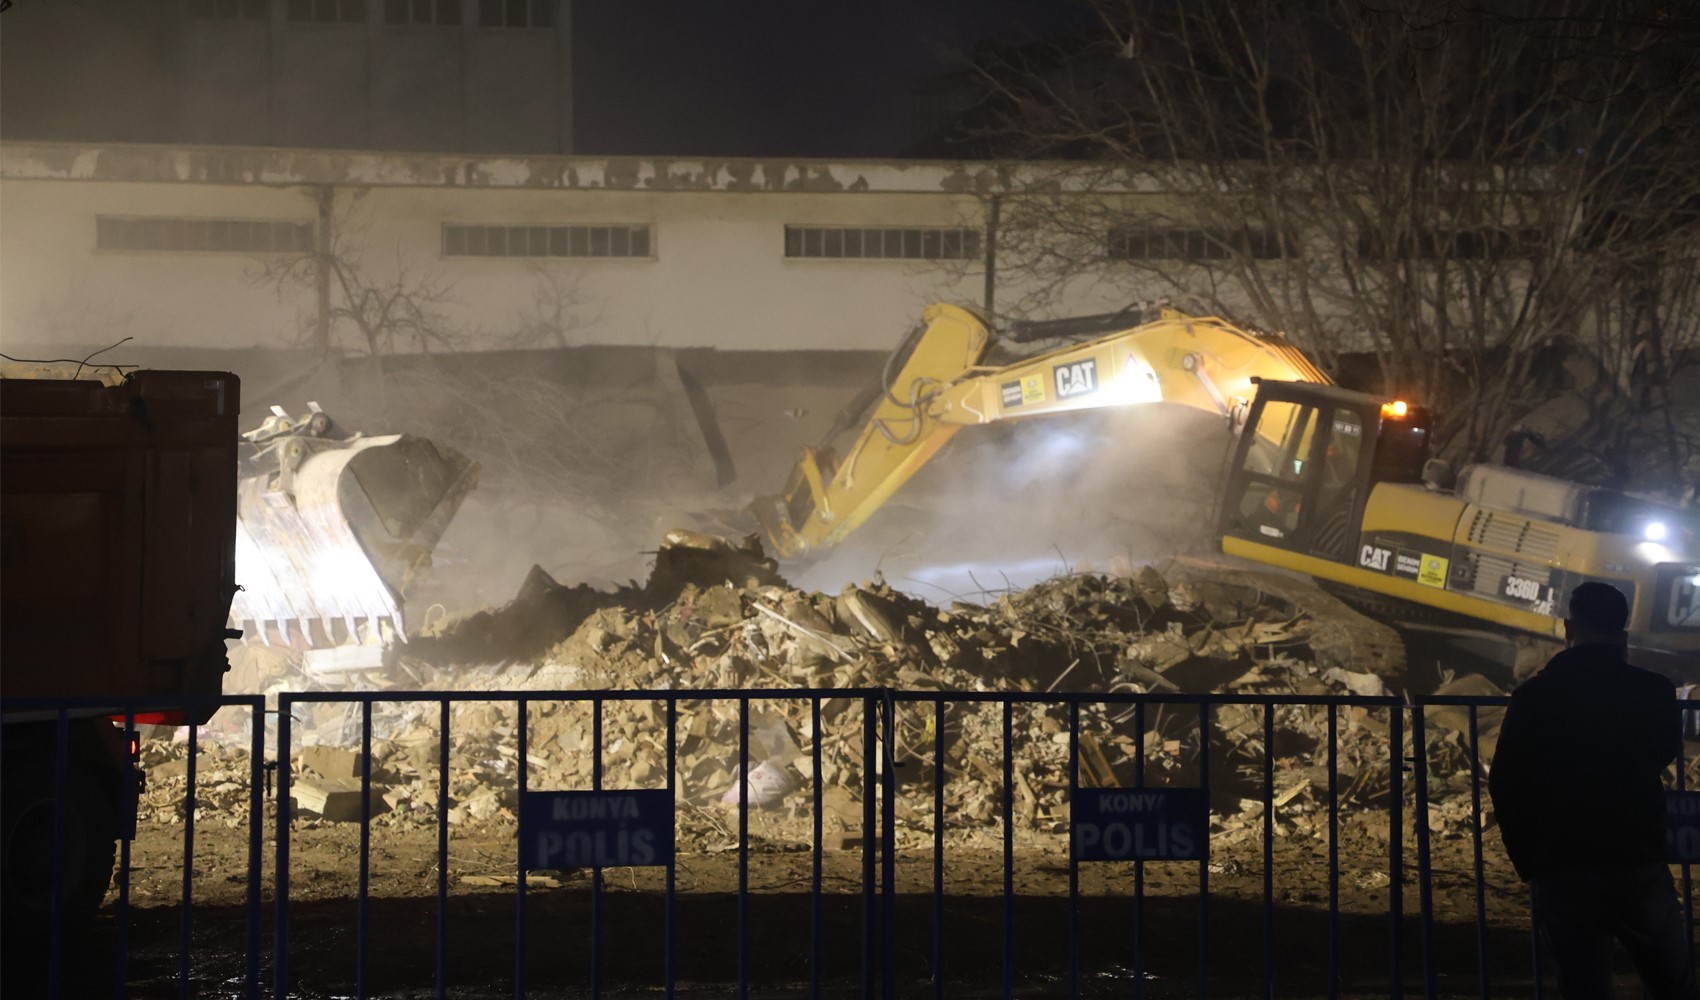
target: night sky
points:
(762, 77)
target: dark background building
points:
(879, 78)
(436, 75)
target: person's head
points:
(1598, 614)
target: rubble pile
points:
(221, 783)
(717, 615)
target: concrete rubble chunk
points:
(874, 616)
(1457, 717)
(332, 762)
(765, 786)
(1161, 651)
(1152, 588)
(334, 799)
(1362, 684)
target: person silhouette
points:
(1578, 793)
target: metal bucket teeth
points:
(324, 564)
(301, 562)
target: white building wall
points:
(57, 289)
(718, 276)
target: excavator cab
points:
(1303, 468)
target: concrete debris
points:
(1457, 717)
(717, 615)
(1363, 685)
(332, 762)
(334, 799)
(765, 786)
(1160, 652)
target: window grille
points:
(547, 241)
(202, 235)
(1170, 243)
(327, 11)
(516, 13)
(227, 10)
(882, 243)
(1475, 243)
(423, 12)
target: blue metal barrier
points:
(886, 952)
(64, 715)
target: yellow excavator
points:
(1331, 483)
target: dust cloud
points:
(1004, 507)
(582, 471)
(584, 483)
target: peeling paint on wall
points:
(716, 274)
(290, 167)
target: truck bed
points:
(118, 524)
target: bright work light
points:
(1655, 531)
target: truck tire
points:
(90, 842)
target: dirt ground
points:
(402, 915)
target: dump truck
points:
(132, 506)
(1323, 481)
(117, 569)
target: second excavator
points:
(1327, 482)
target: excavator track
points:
(1446, 636)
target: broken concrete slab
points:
(1457, 717)
(332, 762)
(336, 800)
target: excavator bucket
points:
(332, 528)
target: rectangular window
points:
(327, 11)
(931, 243)
(1475, 243)
(1169, 243)
(516, 13)
(227, 10)
(545, 241)
(114, 232)
(425, 12)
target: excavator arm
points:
(942, 385)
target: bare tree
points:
(1490, 198)
(392, 309)
(558, 311)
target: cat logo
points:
(1683, 608)
(1077, 378)
(1374, 557)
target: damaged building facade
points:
(185, 247)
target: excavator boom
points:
(942, 385)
